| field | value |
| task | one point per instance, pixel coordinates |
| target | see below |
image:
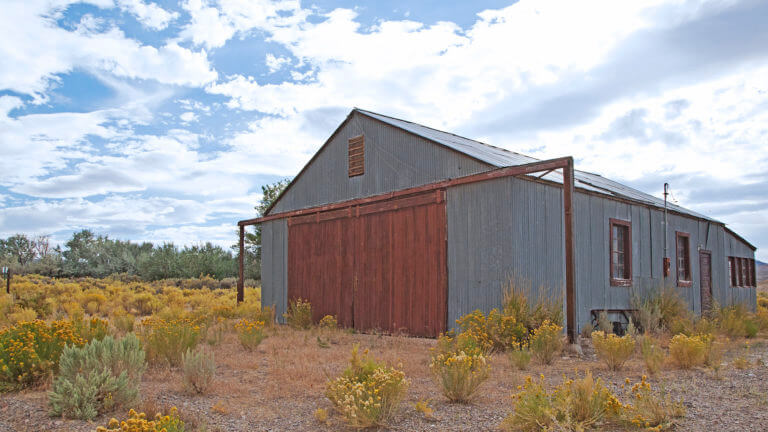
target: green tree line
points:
(89, 254)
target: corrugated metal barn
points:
(400, 227)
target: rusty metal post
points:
(8, 281)
(570, 258)
(241, 263)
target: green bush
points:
(199, 369)
(166, 340)
(102, 375)
(299, 315)
(531, 314)
(520, 358)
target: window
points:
(683, 242)
(621, 252)
(356, 156)
(732, 271)
(742, 272)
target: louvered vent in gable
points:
(356, 156)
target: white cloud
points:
(41, 49)
(276, 63)
(188, 117)
(148, 14)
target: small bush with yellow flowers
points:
(250, 333)
(612, 349)
(574, 405)
(328, 322)
(687, 351)
(30, 351)
(501, 330)
(167, 339)
(367, 393)
(137, 422)
(546, 342)
(651, 410)
(299, 315)
(459, 366)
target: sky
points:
(160, 121)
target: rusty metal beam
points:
(241, 263)
(570, 259)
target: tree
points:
(20, 248)
(269, 194)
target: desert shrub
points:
(166, 340)
(546, 342)
(214, 331)
(328, 322)
(91, 329)
(137, 422)
(651, 410)
(574, 405)
(661, 309)
(367, 393)
(250, 333)
(586, 330)
(123, 321)
(652, 353)
(299, 314)
(30, 351)
(498, 330)
(98, 377)
(520, 357)
(687, 351)
(531, 314)
(735, 321)
(422, 407)
(459, 366)
(604, 324)
(713, 352)
(612, 349)
(199, 369)
(21, 314)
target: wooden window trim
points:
(683, 282)
(356, 156)
(627, 252)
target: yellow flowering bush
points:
(167, 340)
(30, 351)
(652, 352)
(546, 342)
(329, 322)
(687, 351)
(137, 422)
(574, 405)
(299, 314)
(459, 366)
(651, 410)
(250, 333)
(367, 393)
(612, 349)
(500, 330)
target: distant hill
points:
(762, 271)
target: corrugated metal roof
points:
(500, 157)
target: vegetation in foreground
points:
(113, 329)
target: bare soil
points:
(280, 385)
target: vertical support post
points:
(241, 263)
(570, 258)
(8, 281)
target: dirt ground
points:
(279, 387)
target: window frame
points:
(689, 281)
(753, 272)
(627, 252)
(732, 279)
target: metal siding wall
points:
(394, 160)
(274, 261)
(500, 229)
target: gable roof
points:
(499, 157)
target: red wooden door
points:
(382, 266)
(705, 266)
